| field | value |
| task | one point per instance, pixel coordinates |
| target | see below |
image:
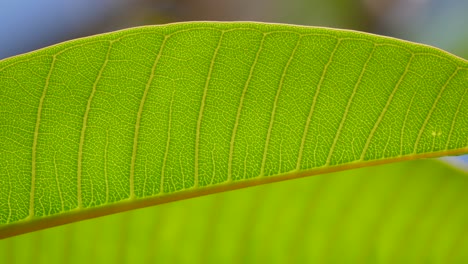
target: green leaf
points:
(159, 113)
(406, 212)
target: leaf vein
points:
(312, 107)
(384, 110)
(239, 110)
(455, 118)
(138, 118)
(58, 183)
(434, 105)
(202, 109)
(161, 185)
(35, 139)
(345, 114)
(85, 125)
(275, 104)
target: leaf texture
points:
(157, 113)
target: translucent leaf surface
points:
(159, 113)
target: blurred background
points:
(26, 25)
(323, 218)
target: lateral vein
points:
(239, 109)
(312, 108)
(275, 104)
(58, 184)
(348, 105)
(84, 127)
(35, 139)
(202, 109)
(455, 118)
(404, 121)
(423, 127)
(161, 187)
(138, 119)
(379, 119)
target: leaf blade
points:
(150, 112)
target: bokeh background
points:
(26, 25)
(30, 24)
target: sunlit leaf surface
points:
(153, 114)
